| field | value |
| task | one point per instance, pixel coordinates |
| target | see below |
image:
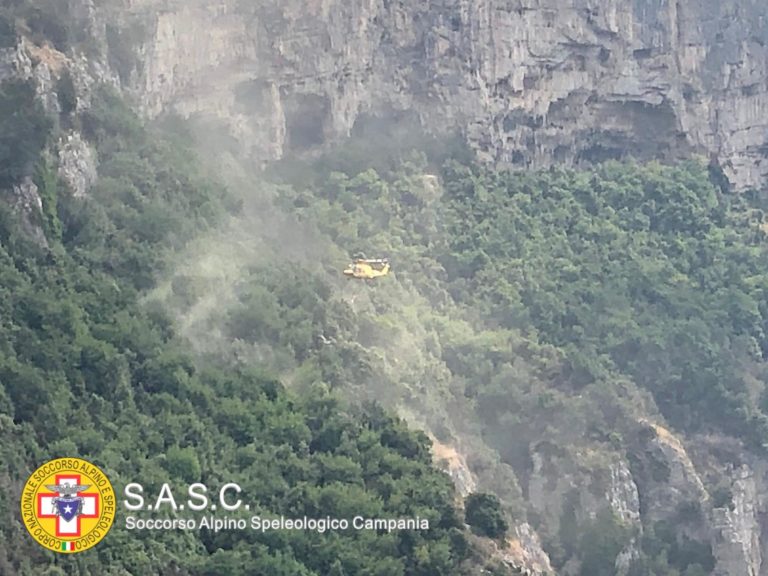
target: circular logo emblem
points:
(68, 505)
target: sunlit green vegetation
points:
(643, 271)
(86, 370)
(550, 297)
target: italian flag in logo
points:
(67, 546)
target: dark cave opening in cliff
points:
(305, 119)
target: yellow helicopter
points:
(367, 268)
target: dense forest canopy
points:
(643, 271)
(552, 296)
(86, 370)
(646, 272)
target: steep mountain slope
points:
(528, 318)
(586, 345)
(86, 370)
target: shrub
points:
(484, 514)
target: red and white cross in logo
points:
(47, 508)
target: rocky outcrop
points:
(623, 495)
(15, 62)
(77, 164)
(574, 484)
(454, 463)
(524, 550)
(529, 82)
(26, 202)
(710, 491)
(736, 542)
(44, 66)
(666, 473)
(714, 490)
(624, 499)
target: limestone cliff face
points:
(529, 82)
(711, 490)
(76, 160)
(737, 528)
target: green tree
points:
(24, 130)
(483, 512)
